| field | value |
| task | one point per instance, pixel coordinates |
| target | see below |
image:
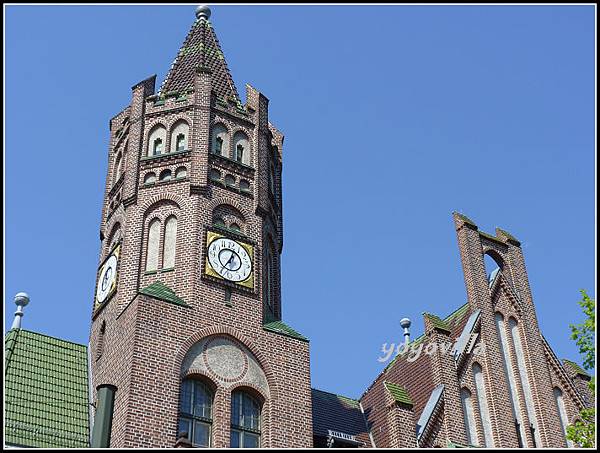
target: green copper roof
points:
(576, 368)
(437, 322)
(282, 328)
(399, 393)
(46, 391)
(159, 290)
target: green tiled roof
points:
(282, 328)
(399, 393)
(437, 322)
(159, 290)
(576, 368)
(46, 391)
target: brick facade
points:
(145, 338)
(145, 345)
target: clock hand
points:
(228, 261)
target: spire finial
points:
(21, 299)
(203, 11)
(405, 324)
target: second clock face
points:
(229, 259)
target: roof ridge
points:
(48, 336)
(334, 394)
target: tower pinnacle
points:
(203, 11)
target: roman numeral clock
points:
(229, 260)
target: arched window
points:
(235, 227)
(220, 140)
(244, 185)
(518, 348)
(150, 178)
(118, 166)
(469, 413)
(152, 248)
(179, 137)
(195, 412)
(483, 406)
(562, 412)
(241, 148)
(268, 277)
(181, 172)
(170, 243)
(165, 175)
(229, 180)
(245, 421)
(272, 179)
(156, 141)
(100, 343)
(218, 221)
(511, 378)
(215, 175)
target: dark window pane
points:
(235, 439)
(186, 397)
(201, 434)
(185, 426)
(251, 440)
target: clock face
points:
(107, 278)
(229, 259)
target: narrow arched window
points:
(245, 421)
(179, 136)
(510, 375)
(241, 148)
(483, 405)
(152, 248)
(272, 179)
(157, 147)
(469, 414)
(118, 166)
(519, 353)
(562, 412)
(156, 141)
(100, 343)
(220, 140)
(269, 281)
(195, 412)
(170, 243)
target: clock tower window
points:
(153, 242)
(195, 412)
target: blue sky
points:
(394, 117)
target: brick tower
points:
(187, 343)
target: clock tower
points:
(187, 342)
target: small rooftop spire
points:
(405, 324)
(21, 299)
(203, 11)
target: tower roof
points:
(200, 50)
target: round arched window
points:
(195, 412)
(245, 420)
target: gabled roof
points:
(333, 412)
(200, 51)
(46, 391)
(283, 329)
(160, 291)
(576, 368)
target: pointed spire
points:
(200, 51)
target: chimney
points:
(21, 300)
(405, 324)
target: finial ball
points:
(203, 11)
(21, 299)
(405, 323)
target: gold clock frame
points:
(208, 269)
